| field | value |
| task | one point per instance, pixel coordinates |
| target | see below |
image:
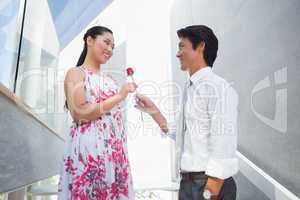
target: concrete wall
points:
(29, 150)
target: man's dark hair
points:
(201, 33)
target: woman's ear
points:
(89, 41)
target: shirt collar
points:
(200, 74)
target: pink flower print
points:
(118, 117)
(105, 95)
(69, 166)
(72, 131)
(121, 181)
(92, 177)
(100, 126)
(80, 158)
(117, 145)
(117, 155)
(113, 190)
(85, 127)
(101, 193)
(99, 99)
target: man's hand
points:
(214, 185)
(146, 105)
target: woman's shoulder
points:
(76, 70)
(75, 74)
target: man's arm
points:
(214, 185)
(146, 105)
(222, 140)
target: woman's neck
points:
(91, 64)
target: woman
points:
(95, 164)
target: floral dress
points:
(95, 163)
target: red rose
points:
(129, 71)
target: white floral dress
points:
(95, 163)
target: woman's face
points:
(102, 47)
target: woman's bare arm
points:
(79, 108)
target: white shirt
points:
(209, 126)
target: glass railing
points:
(11, 16)
(255, 184)
(3, 196)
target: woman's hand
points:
(126, 89)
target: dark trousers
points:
(192, 188)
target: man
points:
(206, 134)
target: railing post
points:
(18, 195)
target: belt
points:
(191, 176)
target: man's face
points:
(186, 54)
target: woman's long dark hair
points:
(92, 32)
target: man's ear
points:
(201, 46)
